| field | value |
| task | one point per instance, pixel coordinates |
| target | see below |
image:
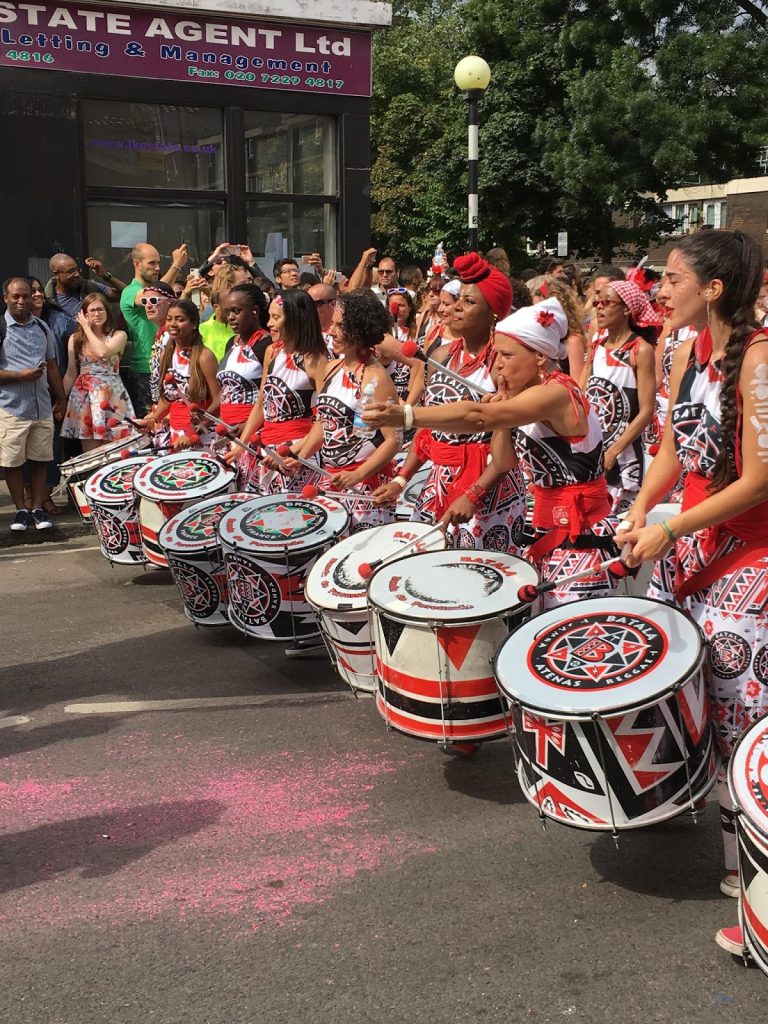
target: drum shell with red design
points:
(337, 593)
(191, 544)
(438, 619)
(411, 491)
(171, 484)
(76, 471)
(112, 499)
(609, 712)
(269, 545)
(748, 785)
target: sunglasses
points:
(606, 303)
(154, 300)
(397, 291)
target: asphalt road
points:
(277, 856)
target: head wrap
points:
(452, 287)
(641, 312)
(541, 327)
(494, 286)
(160, 288)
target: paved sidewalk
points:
(68, 524)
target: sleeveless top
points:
(336, 406)
(288, 391)
(241, 369)
(612, 387)
(695, 418)
(442, 389)
(180, 368)
(401, 377)
(556, 461)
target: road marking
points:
(121, 707)
(7, 723)
(48, 549)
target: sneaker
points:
(305, 648)
(41, 519)
(20, 520)
(731, 940)
(730, 885)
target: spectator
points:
(267, 286)
(229, 273)
(141, 331)
(178, 289)
(28, 376)
(527, 274)
(521, 296)
(68, 289)
(286, 275)
(324, 298)
(387, 271)
(216, 331)
(411, 278)
(497, 257)
(306, 281)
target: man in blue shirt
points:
(28, 375)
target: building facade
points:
(223, 120)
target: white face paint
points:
(758, 389)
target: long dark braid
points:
(734, 258)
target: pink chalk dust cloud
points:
(190, 833)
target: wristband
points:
(400, 480)
(666, 528)
(106, 276)
(177, 269)
(475, 493)
(408, 416)
(406, 474)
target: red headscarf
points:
(641, 312)
(494, 286)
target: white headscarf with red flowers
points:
(541, 327)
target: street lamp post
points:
(472, 75)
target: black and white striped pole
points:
(472, 75)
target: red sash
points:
(287, 430)
(473, 458)
(180, 417)
(566, 513)
(235, 413)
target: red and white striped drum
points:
(74, 472)
(170, 484)
(191, 544)
(609, 712)
(438, 618)
(112, 499)
(337, 592)
(270, 544)
(748, 783)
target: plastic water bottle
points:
(366, 398)
(439, 260)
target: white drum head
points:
(113, 484)
(281, 522)
(183, 476)
(335, 581)
(451, 586)
(194, 528)
(748, 775)
(602, 656)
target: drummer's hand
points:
(346, 479)
(182, 442)
(146, 424)
(648, 543)
(387, 494)
(461, 511)
(501, 393)
(232, 454)
(382, 414)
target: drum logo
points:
(284, 520)
(120, 482)
(757, 772)
(254, 595)
(198, 591)
(201, 523)
(596, 652)
(112, 533)
(179, 476)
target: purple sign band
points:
(175, 48)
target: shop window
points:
(279, 229)
(290, 153)
(114, 228)
(151, 145)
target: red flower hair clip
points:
(545, 318)
(544, 289)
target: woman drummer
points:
(559, 436)
(351, 457)
(717, 433)
(483, 501)
(296, 362)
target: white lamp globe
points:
(472, 73)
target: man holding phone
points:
(28, 377)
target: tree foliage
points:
(595, 108)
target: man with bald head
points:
(67, 288)
(324, 298)
(141, 331)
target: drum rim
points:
(458, 620)
(226, 476)
(332, 538)
(237, 548)
(113, 499)
(203, 544)
(623, 709)
(762, 830)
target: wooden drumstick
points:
(412, 351)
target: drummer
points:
(187, 374)
(560, 438)
(296, 362)
(719, 437)
(352, 458)
(483, 502)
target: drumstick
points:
(530, 591)
(412, 351)
(366, 569)
(310, 492)
(285, 452)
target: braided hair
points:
(734, 258)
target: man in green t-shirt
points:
(141, 331)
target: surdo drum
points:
(191, 544)
(748, 784)
(74, 472)
(337, 592)
(112, 500)
(170, 484)
(409, 497)
(269, 546)
(609, 717)
(438, 619)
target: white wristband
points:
(408, 416)
(401, 482)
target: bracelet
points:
(406, 474)
(408, 416)
(475, 493)
(106, 276)
(666, 528)
(400, 480)
(178, 269)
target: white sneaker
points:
(730, 885)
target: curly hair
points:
(364, 320)
(198, 385)
(734, 258)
